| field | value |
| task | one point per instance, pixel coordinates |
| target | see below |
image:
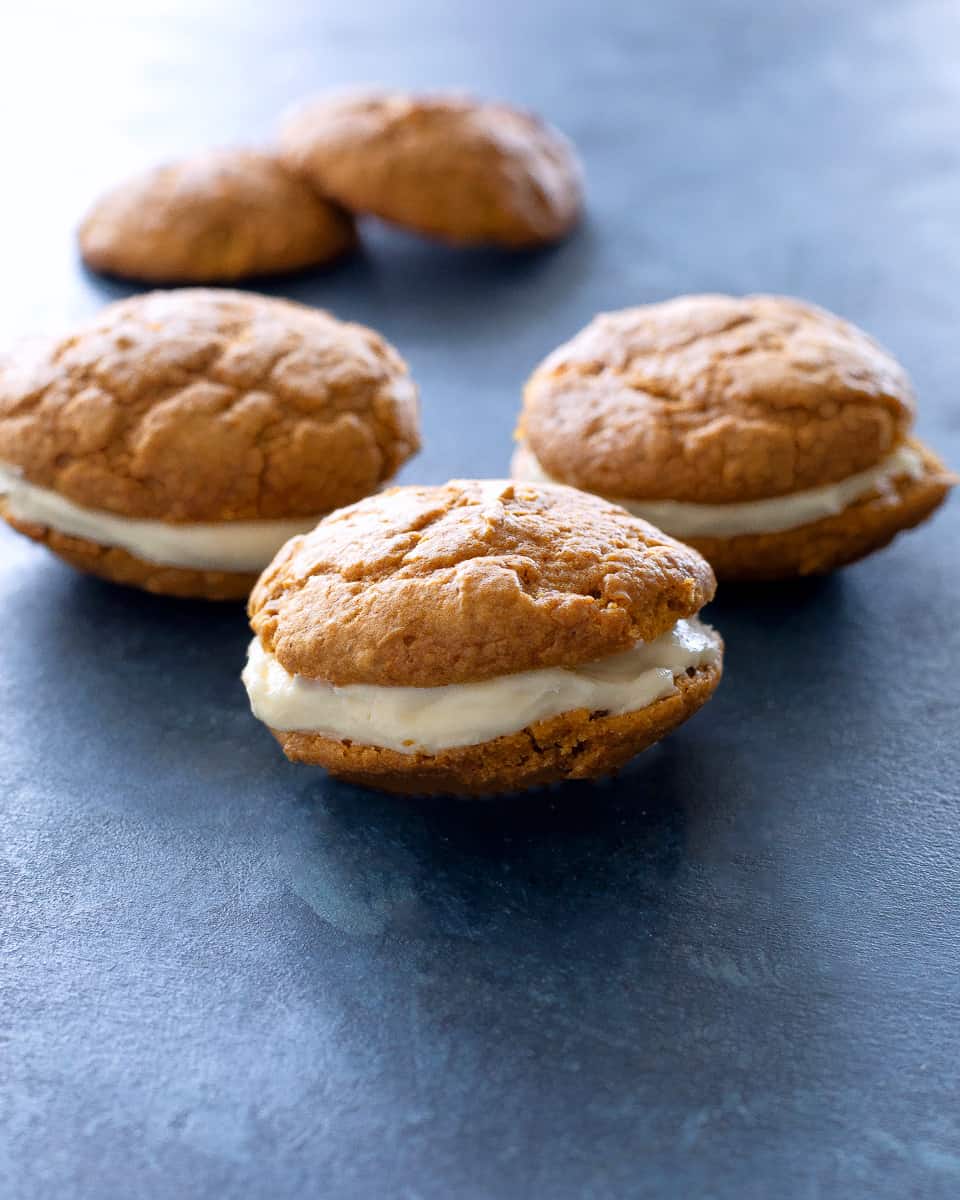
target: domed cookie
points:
(765, 432)
(217, 217)
(180, 438)
(462, 170)
(479, 637)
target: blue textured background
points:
(732, 974)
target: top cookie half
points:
(715, 399)
(424, 586)
(459, 169)
(206, 406)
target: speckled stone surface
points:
(734, 973)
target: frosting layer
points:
(430, 719)
(242, 546)
(681, 519)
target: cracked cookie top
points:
(715, 399)
(196, 405)
(424, 586)
(449, 166)
(224, 215)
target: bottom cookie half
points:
(823, 546)
(118, 566)
(573, 745)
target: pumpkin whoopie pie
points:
(180, 438)
(482, 636)
(217, 217)
(769, 434)
(462, 170)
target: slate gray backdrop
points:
(731, 974)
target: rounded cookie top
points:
(424, 586)
(715, 399)
(456, 168)
(197, 406)
(223, 215)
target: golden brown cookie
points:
(221, 216)
(448, 166)
(180, 437)
(482, 636)
(755, 424)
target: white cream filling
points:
(752, 516)
(242, 546)
(411, 719)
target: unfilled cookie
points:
(217, 217)
(179, 438)
(463, 170)
(768, 433)
(479, 637)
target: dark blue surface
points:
(733, 973)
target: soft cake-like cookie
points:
(769, 434)
(177, 440)
(217, 217)
(462, 170)
(479, 637)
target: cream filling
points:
(242, 546)
(412, 719)
(752, 516)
